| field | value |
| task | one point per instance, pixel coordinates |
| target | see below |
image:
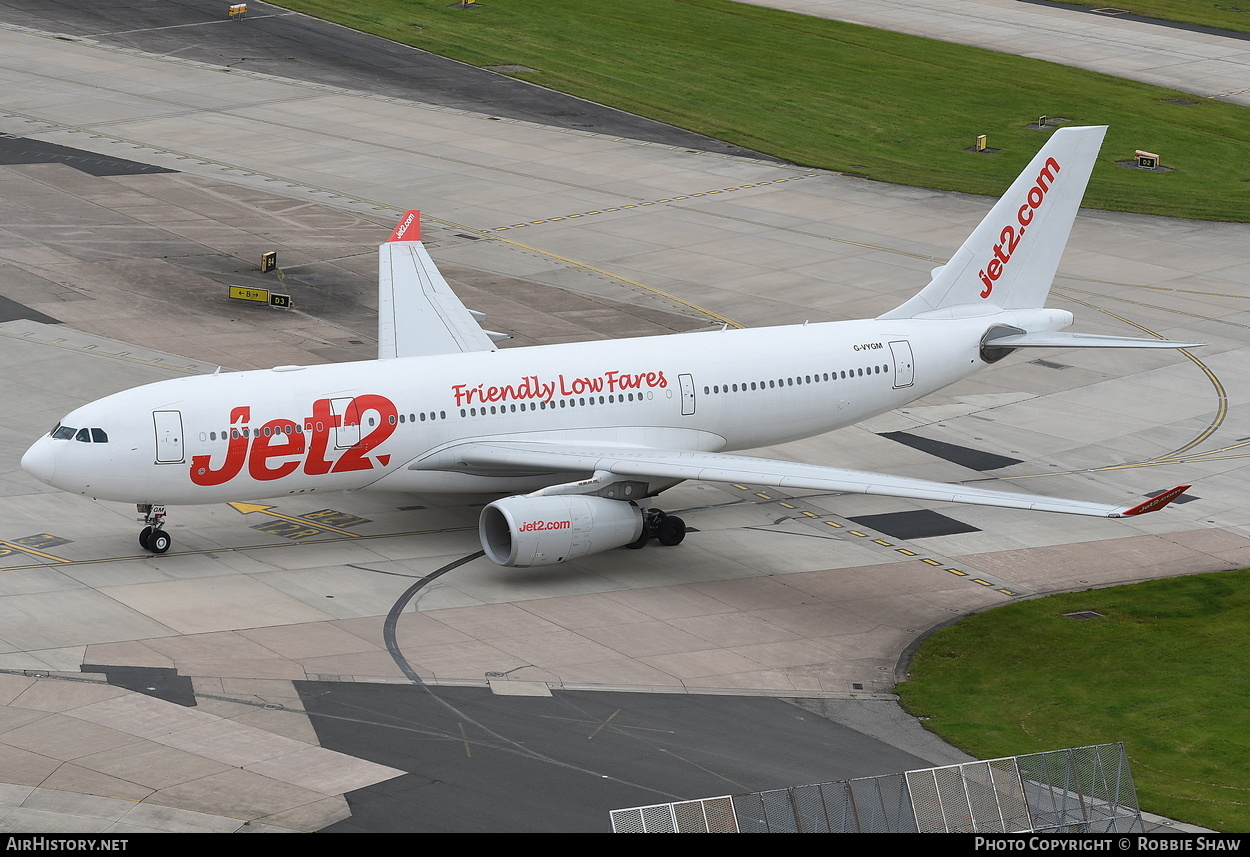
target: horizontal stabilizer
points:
(1062, 339)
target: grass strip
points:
(826, 94)
(1163, 670)
(1221, 14)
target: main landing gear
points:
(153, 536)
(668, 530)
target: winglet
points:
(409, 228)
(418, 313)
(1155, 503)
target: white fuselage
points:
(589, 432)
(372, 424)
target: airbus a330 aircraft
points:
(581, 437)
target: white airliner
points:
(581, 437)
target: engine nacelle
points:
(519, 532)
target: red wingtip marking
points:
(409, 228)
(1156, 503)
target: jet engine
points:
(519, 532)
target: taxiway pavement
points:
(558, 234)
(1198, 60)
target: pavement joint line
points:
(360, 537)
(1059, 290)
(642, 203)
(256, 17)
(33, 336)
(823, 518)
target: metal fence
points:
(1079, 790)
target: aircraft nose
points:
(39, 461)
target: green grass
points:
(832, 95)
(1223, 14)
(1165, 672)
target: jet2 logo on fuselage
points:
(279, 447)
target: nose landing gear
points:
(153, 536)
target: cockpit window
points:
(83, 435)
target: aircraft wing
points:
(418, 313)
(645, 462)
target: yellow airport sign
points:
(243, 293)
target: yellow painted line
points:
(788, 506)
(1221, 393)
(906, 551)
(33, 552)
(882, 542)
(957, 571)
(856, 533)
(285, 543)
(1177, 455)
(930, 561)
(1006, 592)
(661, 201)
(249, 508)
(739, 487)
(617, 277)
(1103, 292)
(765, 496)
(811, 514)
(833, 524)
(982, 582)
